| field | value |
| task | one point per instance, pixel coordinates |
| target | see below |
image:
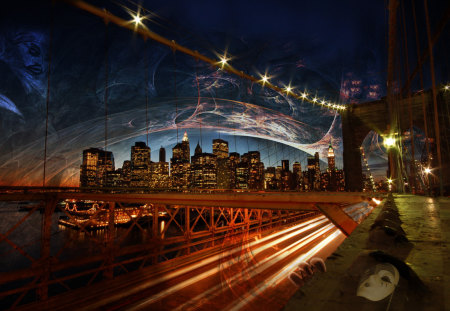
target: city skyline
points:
(276, 156)
(151, 92)
(220, 169)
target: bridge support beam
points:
(338, 217)
(352, 153)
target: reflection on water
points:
(23, 244)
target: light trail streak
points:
(215, 270)
(283, 274)
(257, 269)
(308, 225)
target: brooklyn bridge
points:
(235, 224)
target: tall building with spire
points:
(203, 170)
(186, 151)
(331, 159)
(180, 164)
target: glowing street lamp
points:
(288, 89)
(389, 142)
(427, 170)
(265, 79)
(389, 181)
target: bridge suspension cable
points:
(47, 100)
(137, 26)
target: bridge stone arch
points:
(359, 119)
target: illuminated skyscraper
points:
(95, 165)
(225, 178)
(220, 148)
(140, 165)
(126, 173)
(331, 159)
(180, 164)
(242, 175)
(269, 179)
(331, 171)
(203, 170)
(313, 173)
(255, 169)
(224, 174)
(185, 149)
(159, 177)
(317, 164)
(140, 155)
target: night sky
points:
(334, 49)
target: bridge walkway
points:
(426, 223)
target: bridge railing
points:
(53, 245)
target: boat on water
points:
(92, 215)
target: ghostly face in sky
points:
(378, 282)
(23, 51)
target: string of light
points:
(366, 164)
(137, 25)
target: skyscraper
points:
(95, 166)
(180, 164)
(331, 160)
(140, 165)
(225, 178)
(297, 175)
(332, 177)
(285, 165)
(255, 169)
(185, 149)
(220, 148)
(140, 155)
(235, 158)
(162, 154)
(88, 168)
(203, 170)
